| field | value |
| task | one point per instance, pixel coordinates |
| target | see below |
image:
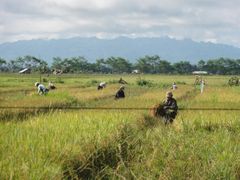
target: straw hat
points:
(169, 94)
(37, 83)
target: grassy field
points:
(117, 144)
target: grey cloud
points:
(199, 19)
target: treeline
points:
(146, 64)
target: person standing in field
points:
(202, 85)
(197, 80)
(169, 107)
(174, 86)
(120, 93)
(42, 90)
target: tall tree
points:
(57, 63)
(72, 65)
(31, 62)
(164, 67)
(3, 64)
(183, 67)
(101, 66)
(118, 64)
(148, 64)
(201, 65)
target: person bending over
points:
(120, 93)
(42, 90)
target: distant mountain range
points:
(93, 48)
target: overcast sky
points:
(201, 20)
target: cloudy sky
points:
(201, 20)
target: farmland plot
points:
(120, 143)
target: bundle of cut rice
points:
(157, 110)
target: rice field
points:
(53, 143)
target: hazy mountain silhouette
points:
(93, 48)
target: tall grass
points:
(37, 148)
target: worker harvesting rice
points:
(197, 80)
(42, 90)
(51, 85)
(121, 81)
(170, 107)
(167, 109)
(120, 93)
(101, 85)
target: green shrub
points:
(143, 82)
(180, 82)
(59, 80)
(44, 80)
(92, 82)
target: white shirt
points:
(41, 88)
(102, 84)
(174, 86)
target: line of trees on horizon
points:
(147, 64)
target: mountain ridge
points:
(93, 48)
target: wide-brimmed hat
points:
(169, 94)
(37, 83)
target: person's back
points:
(120, 93)
(101, 85)
(41, 88)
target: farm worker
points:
(197, 80)
(202, 85)
(169, 107)
(101, 85)
(121, 81)
(51, 85)
(120, 93)
(41, 88)
(174, 86)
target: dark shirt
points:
(170, 104)
(120, 94)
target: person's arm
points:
(165, 106)
(123, 94)
(174, 105)
(39, 90)
(117, 95)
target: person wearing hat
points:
(120, 93)
(101, 85)
(121, 81)
(51, 85)
(202, 84)
(174, 86)
(170, 107)
(41, 88)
